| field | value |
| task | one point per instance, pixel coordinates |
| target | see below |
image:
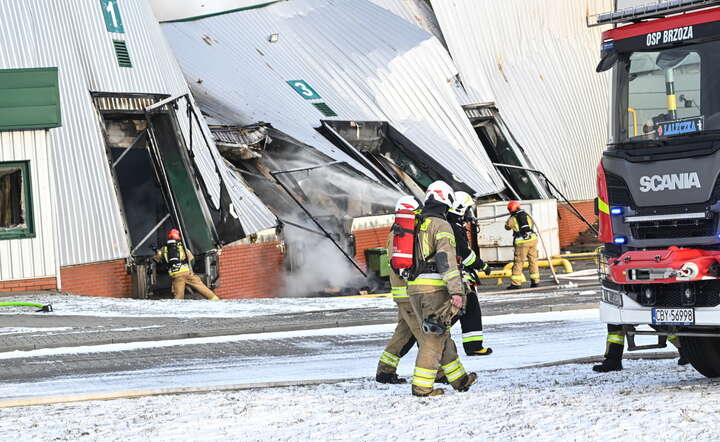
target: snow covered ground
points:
(648, 401)
(241, 308)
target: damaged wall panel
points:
(397, 73)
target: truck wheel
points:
(703, 353)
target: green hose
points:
(42, 307)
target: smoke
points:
(335, 195)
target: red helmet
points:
(174, 234)
(513, 206)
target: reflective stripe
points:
(454, 370)
(424, 226)
(616, 339)
(431, 282)
(423, 377)
(451, 275)
(472, 333)
(451, 366)
(473, 339)
(603, 206)
(425, 371)
(399, 292)
(402, 255)
(184, 269)
(520, 278)
(430, 276)
(390, 359)
(404, 215)
(423, 382)
(470, 259)
(534, 276)
(522, 241)
(442, 235)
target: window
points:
(16, 215)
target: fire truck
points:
(659, 178)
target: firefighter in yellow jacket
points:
(525, 245)
(437, 295)
(178, 258)
(407, 330)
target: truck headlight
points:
(612, 297)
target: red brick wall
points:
(109, 279)
(570, 225)
(369, 239)
(251, 271)
(28, 285)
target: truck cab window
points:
(664, 87)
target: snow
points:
(18, 330)
(572, 315)
(241, 308)
(518, 341)
(648, 401)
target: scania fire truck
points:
(659, 178)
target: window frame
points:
(28, 231)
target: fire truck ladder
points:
(651, 10)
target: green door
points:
(195, 219)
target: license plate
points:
(673, 316)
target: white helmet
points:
(463, 201)
(407, 202)
(441, 192)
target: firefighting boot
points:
(466, 381)
(389, 378)
(433, 392)
(613, 359)
(534, 284)
(514, 287)
(441, 379)
(483, 351)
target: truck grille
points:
(618, 192)
(707, 294)
(678, 228)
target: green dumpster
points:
(378, 261)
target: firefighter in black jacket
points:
(471, 265)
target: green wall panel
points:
(29, 99)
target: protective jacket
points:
(176, 257)
(435, 251)
(469, 260)
(521, 225)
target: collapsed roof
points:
(293, 64)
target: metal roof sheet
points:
(363, 61)
(71, 34)
(537, 61)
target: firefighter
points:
(615, 346)
(407, 329)
(525, 245)
(436, 295)
(179, 260)
(471, 265)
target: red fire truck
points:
(659, 178)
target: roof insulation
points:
(360, 60)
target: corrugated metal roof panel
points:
(390, 71)
(417, 12)
(72, 35)
(537, 61)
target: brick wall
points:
(28, 285)
(251, 271)
(369, 239)
(570, 225)
(108, 279)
